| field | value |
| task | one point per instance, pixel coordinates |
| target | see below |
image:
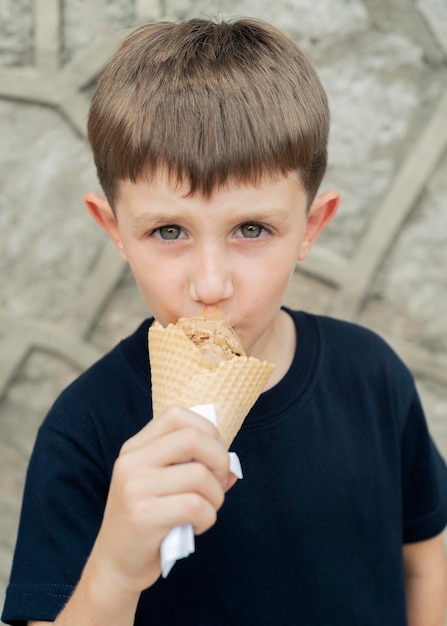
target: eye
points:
(251, 230)
(169, 232)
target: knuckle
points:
(208, 520)
(125, 448)
(191, 438)
(199, 473)
(196, 506)
(225, 462)
(221, 465)
(220, 499)
(128, 493)
(121, 466)
(175, 413)
(212, 517)
(172, 417)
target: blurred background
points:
(65, 296)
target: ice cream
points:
(216, 340)
(201, 361)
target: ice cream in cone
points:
(201, 361)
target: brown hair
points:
(209, 102)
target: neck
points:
(280, 348)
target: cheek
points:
(161, 287)
(276, 271)
(278, 282)
(266, 287)
(154, 282)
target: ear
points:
(102, 213)
(323, 209)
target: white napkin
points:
(179, 542)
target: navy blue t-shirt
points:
(339, 472)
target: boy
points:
(210, 146)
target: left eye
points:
(251, 231)
(170, 232)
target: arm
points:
(425, 573)
(174, 471)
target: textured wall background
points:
(65, 297)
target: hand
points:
(174, 471)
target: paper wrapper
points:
(224, 394)
(179, 542)
(179, 376)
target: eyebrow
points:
(277, 213)
(151, 220)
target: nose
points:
(211, 277)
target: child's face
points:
(234, 252)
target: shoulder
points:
(129, 359)
(348, 342)
(353, 359)
(126, 363)
(346, 334)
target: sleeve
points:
(63, 504)
(424, 479)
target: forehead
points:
(160, 186)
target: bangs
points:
(205, 140)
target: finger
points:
(173, 418)
(189, 508)
(190, 445)
(174, 447)
(177, 417)
(180, 479)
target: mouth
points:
(213, 312)
(210, 312)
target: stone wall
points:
(65, 297)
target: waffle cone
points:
(179, 376)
